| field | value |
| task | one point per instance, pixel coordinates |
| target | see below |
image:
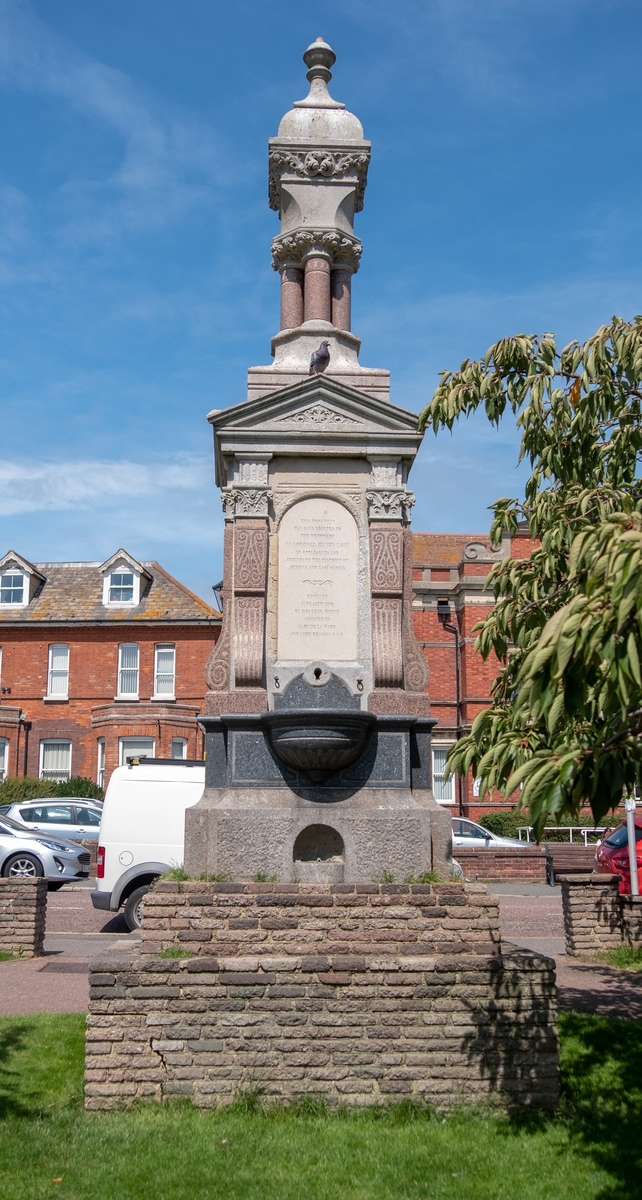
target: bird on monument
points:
(320, 358)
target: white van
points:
(142, 829)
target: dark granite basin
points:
(316, 741)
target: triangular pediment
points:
(314, 416)
(318, 403)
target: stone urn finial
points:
(319, 58)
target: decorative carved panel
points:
(415, 667)
(249, 615)
(386, 560)
(250, 558)
(387, 650)
(245, 502)
(217, 671)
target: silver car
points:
(74, 818)
(468, 833)
(27, 855)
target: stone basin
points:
(316, 741)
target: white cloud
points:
(168, 161)
(94, 484)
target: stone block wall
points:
(351, 1029)
(23, 911)
(596, 918)
(237, 919)
(480, 864)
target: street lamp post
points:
(629, 805)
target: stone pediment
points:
(315, 412)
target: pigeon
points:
(320, 358)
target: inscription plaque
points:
(317, 597)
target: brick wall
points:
(504, 863)
(23, 910)
(93, 666)
(446, 1029)
(596, 918)
(234, 919)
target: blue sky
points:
(135, 279)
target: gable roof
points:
(72, 593)
(24, 564)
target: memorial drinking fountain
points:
(317, 720)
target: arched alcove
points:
(318, 843)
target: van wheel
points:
(134, 907)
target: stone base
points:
(354, 995)
(23, 912)
(391, 832)
(596, 917)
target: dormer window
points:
(12, 588)
(124, 580)
(121, 587)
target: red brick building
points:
(98, 661)
(449, 573)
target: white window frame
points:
(120, 695)
(159, 648)
(51, 672)
(183, 743)
(121, 568)
(127, 748)
(4, 758)
(446, 801)
(15, 573)
(100, 763)
(54, 742)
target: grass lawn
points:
(50, 1148)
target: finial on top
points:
(318, 58)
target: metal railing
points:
(584, 830)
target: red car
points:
(612, 855)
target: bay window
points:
(55, 759)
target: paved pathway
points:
(531, 916)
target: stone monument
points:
(317, 720)
(331, 982)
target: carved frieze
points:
(249, 617)
(291, 249)
(318, 416)
(389, 505)
(316, 164)
(386, 560)
(245, 502)
(250, 472)
(250, 558)
(387, 649)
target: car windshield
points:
(11, 827)
(620, 836)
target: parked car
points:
(468, 833)
(28, 855)
(142, 830)
(75, 818)
(612, 854)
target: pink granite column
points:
(291, 297)
(316, 293)
(341, 288)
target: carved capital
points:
(245, 502)
(389, 504)
(292, 249)
(317, 164)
